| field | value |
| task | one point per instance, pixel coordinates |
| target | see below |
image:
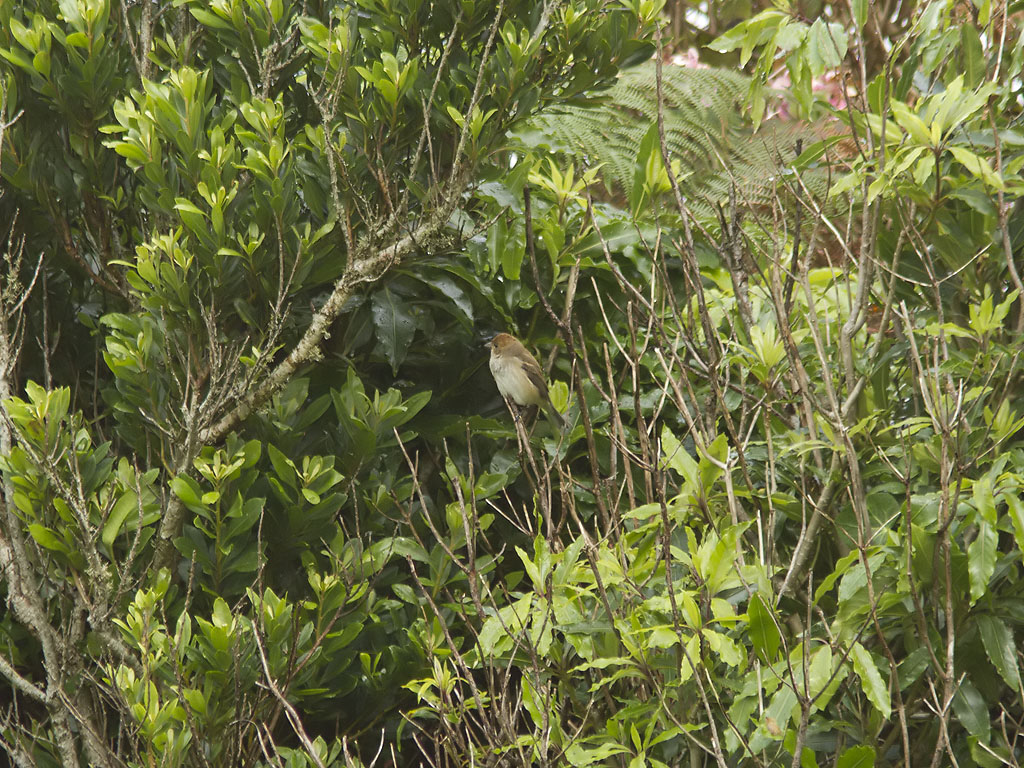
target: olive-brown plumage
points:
(519, 377)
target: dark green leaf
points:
(764, 634)
(1000, 648)
(395, 325)
(971, 710)
(981, 558)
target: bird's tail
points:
(553, 414)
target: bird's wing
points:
(533, 373)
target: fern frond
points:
(707, 133)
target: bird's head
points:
(500, 343)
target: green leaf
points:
(284, 468)
(911, 123)
(252, 451)
(580, 757)
(710, 470)
(819, 673)
(187, 489)
(860, 17)
(454, 292)
(454, 114)
(395, 325)
(790, 35)
(807, 758)
(780, 711)
(749, 34)
(981, 558)
(496, 237)
(826, 46)
(127, 504)
(676, 457)
(871, 681)
(857, 757)
(1016, 508)
(41, 63)
(47, 539)
(842, 566)
(978, 166)
(971, 710)
(973, 53)
(1000, 648)
(512, 257)
(208, 19)
(983, 496)
(764, 634)
(18, 58)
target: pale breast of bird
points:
(512, 381)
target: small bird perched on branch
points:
(519, 376)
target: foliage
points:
(706, 133)
(262, 504)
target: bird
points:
(519, 376)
